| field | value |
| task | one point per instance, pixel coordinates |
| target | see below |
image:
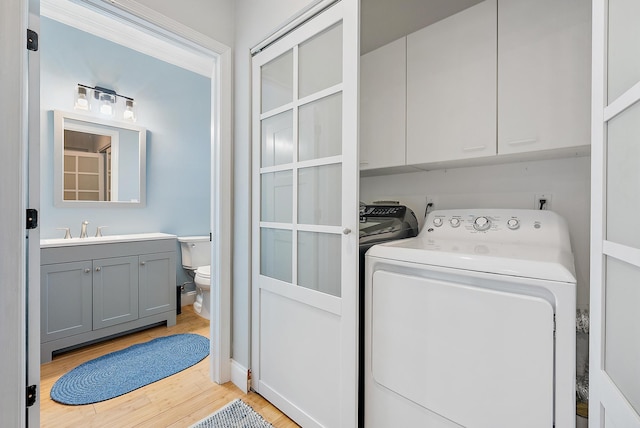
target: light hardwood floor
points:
(177, 401)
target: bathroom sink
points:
(61, 242)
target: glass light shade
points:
(129, 111)
(107, 104)
(82, 101)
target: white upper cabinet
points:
(451, 87)
(383, 78)
(544, 78)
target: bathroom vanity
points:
(94, 288)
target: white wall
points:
(254, 20)
(511, 185)
(213, 18)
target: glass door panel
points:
(622, 348)
(277, 82)
(623, 153)
(320, 195)
(277, 196)
(320, 128)
(320, 61)
(319, 262)
(277, 139)
(276, 254)
(623, 46)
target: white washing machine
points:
(472, 323)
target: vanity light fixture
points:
(106, 100)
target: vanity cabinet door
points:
(65, 299)
(451, 87)
(544, 78)
(157, 286)
(115, 291)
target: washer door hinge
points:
(32, 218)
(32, 40)
(31, 395)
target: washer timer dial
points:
(481, 223)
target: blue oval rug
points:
(126, 370)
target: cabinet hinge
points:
(31, 395)
(32, 218)
(32, 40)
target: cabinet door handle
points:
(142, 263)
(474, 148)
(87, 270)
(98, 269)
(522, 142)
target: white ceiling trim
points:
(155, 44)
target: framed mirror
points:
(98, 162)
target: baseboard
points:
(239, 376)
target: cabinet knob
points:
(87, 270)
(98, 269)
(142, 263)
(346, 231)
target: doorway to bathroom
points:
(145, 31)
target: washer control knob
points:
(437, 222)
(481, 223)
(513, 223)
(455, 222)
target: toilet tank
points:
(196, 251)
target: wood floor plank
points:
(177, 401)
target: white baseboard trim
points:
(239, 376)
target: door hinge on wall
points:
(31, 395)
(32, 40)
(32, 218)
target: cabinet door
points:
(544, 74)
(383, 103)
(65, 300)
(115, 291)
(451, 87)
(157, 283)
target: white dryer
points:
(472, 323)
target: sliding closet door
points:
(305, 220)
(614, 399)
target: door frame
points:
(216, 59)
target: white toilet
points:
(196, 256)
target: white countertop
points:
(107, 239)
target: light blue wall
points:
(173, 105)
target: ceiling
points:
(383, 21)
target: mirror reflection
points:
(98, 161)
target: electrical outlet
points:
(542, 201)
(430, 203)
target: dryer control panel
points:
(495, 225)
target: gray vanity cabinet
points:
(65, 299)
(94, 291)
(157, 290)
(115, 291)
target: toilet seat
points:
(203, 276)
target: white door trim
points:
(201, 54)
(13, 170)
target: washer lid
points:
(204, 271)
(538, 247)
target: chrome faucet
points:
(83, 231)
(67, 233)
(99, 231)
